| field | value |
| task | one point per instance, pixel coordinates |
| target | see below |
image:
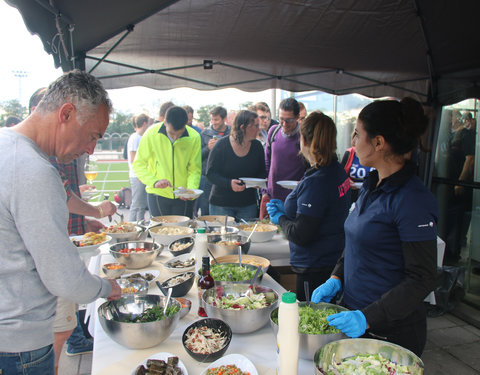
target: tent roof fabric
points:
(419, 48)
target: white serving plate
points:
(182, 257)
(288, 184)
(196, 193)
(254, 182)
(155, 273)
(90, 248)
(242, 362)
(163, 356)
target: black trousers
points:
(314, 278)
(160, 206)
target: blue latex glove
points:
(277, 203)
(275, 210)
(352, 323)
(326, 291)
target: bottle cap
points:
(201, 230)
(289, 297)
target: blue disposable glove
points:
(277, 203)
(352, 323)
(326, 291)
(275, 210)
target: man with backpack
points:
(282, 158)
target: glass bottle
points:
(205, 282)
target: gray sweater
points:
(38, 262)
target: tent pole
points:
(273, 103)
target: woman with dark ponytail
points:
(313, 214)
(389, 263)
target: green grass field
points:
(112, 176)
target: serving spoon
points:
(253, 230)
(254, 279)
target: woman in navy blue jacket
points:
(389, 263)
(313, 214)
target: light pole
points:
(20, 74)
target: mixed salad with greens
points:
(247, 301)
(313, 322)
(221, 272)
(367, 364)
(153, 314)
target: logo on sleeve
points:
(309, 205)
(430, 224)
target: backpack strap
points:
(272, 136)
(349, 162)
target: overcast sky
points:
(25, 66)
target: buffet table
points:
(112, 358)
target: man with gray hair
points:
(39, 262)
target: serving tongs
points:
(255, 277)
(166, 293)
(145, 228)
(115, 311)
(253, 230)
(307, 292)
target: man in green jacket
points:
(168, 157)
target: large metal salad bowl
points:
(310, 343)
(240, 321)
(136, 335)
(336, 351)
(136, 260)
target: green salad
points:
(220, 272)
(367, 364)
(153, 314)
(313, 322)
(248, 301)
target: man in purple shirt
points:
(282, 159)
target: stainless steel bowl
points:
(137, 335)
(309, 344)
(132, 285)
(136, 260)
(221, 249)
(114, 270)
(335, 351)
(240, 321)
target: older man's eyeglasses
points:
(287, 120)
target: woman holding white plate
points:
(232, 157)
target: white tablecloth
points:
(112, 358)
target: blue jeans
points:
(203, 199)
(35, 362)
(244, 212)
(139, 200)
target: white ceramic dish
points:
(242, 362)
(254, 182)
(288, 184)
(91, 248)
(163, 356)
(187, 195)
(182, 258)
(155, 274)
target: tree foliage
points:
(11, 108)
(120, 122)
